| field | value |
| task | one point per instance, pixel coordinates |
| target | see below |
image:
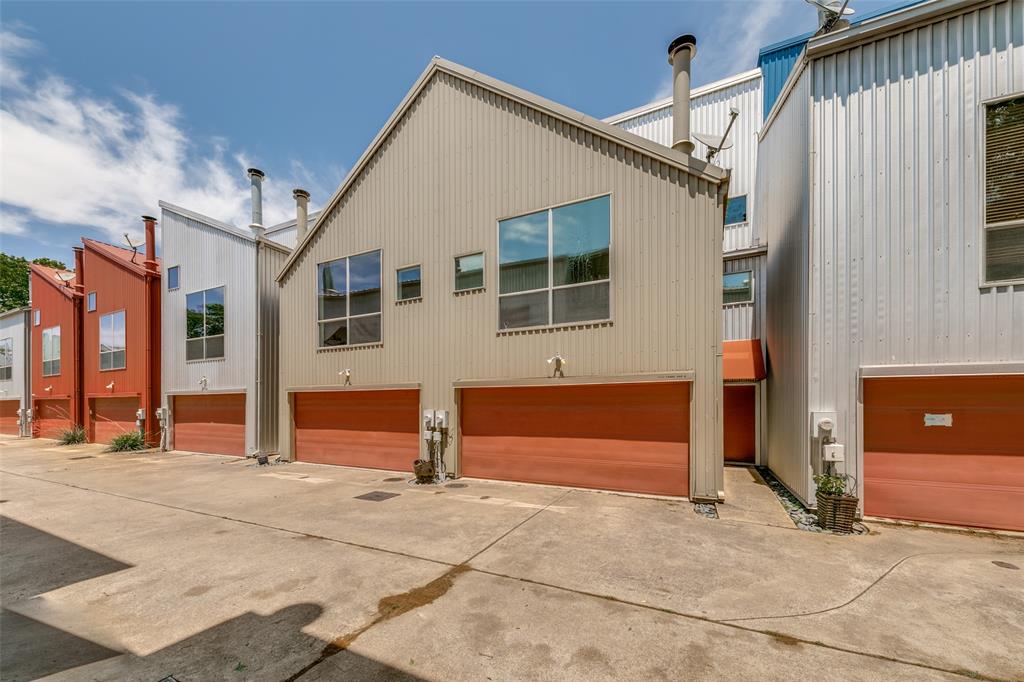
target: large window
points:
(348, 300)
(469, 272)
(553, 266)
(51, 352)
(112, 342)
(409, 283)
(736, 210)
(204, 324)
(738, 287)
(1004, 190)
(6, 359)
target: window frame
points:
(36, 317)
(90, 302)
(753, 296)
(455, 271)
(7, 358)
(177, 270)
(348, 295)
(746, 210)
(398, 286)
(986, 228)
(124, 315)
(42, 354)
(550, 288)
(223, 335)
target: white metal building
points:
(15, 377)
(220, 331)
(744, 244)
(890, 172)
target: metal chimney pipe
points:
(301, 212)
(681, 52)
(150, 262)
(256, 178)
(79, 267)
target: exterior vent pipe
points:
(301, 213)
(150, 262)
(79, 268)
(256, 177)
(681, 52)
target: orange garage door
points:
(9, 417)
(945, 450)
(629, 437)
(740, 423)
(50, 418)
(373, 429)
(111, 417)
(213, 423)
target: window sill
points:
(555, 328)
(469, 292)
(1007, 283)
(355, 346)
(113, 369)
(736, 304)
(407, 301)
(198, 360)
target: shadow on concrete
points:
(248, 647)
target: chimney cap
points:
(299, 192)
(147, 218)
(686, 40)
(257, 172)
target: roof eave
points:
(205, 220)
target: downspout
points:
(77, 342)
(150, 265)
(26, 401)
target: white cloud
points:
(71, 158)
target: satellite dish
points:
(834, 7)
(133, 247)
(712, 141)
(831, 13)
(65, 277)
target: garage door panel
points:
(739, 419)
(51, 418)
(628, 437)
(970, 473)
(112, 417)
(371, 429)
(212, 423)
(9, 417)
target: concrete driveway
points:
(194, 567)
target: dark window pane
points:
(1004, 162)
(332, 287)
(408, 283)
(364, 283)
(5, 373)
(91, 302)
(214, 347)
(194, 349)
(580, 234)
(737, 288)
(1004, 254)
(469, 272)
(105, 360)
(580, 304)
(523, 253)
(117, 360)
(215, 311)
(172, 277)
(334, 333)
(364, 329)
(194, 315)
(524, 310)
(736, 210)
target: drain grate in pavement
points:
(83, 457)
(456, 485)
(393, 479)
(376, 496)
(1007, 564)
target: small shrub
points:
(832, 484)
(128, 441)
(73, 436)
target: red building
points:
(121, 338)
(56, 348)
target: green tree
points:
(14, 279)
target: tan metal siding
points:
(784, 212)
(268, 372)
(746, 320)
(461, 158)
(896, 235)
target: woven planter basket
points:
(836, 512)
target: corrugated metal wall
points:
(270, 262)
(746, 320)
(464, 157)
(14, 325)
(776, 63)
(209, 257)
(783, 211)
(896, 223)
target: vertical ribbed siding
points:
(268, 373)
(209, 257)
(776, 66)
(461, 158)
(784, 212)
(897, 226)
(746, 320)
(14, 325)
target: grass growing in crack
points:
(73, 436)
(127, 442)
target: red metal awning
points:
(742, 360)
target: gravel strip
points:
(801, 515)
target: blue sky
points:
(106, 108)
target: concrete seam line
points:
(733, 625)
(516, 527)
(235, 520)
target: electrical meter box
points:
(441, 419)
(833, 452)
(428, 420)
(140, 414)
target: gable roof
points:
(207, 220)
(119, 256)
(652, 150)
(49, 275)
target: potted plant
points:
(837, 508)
